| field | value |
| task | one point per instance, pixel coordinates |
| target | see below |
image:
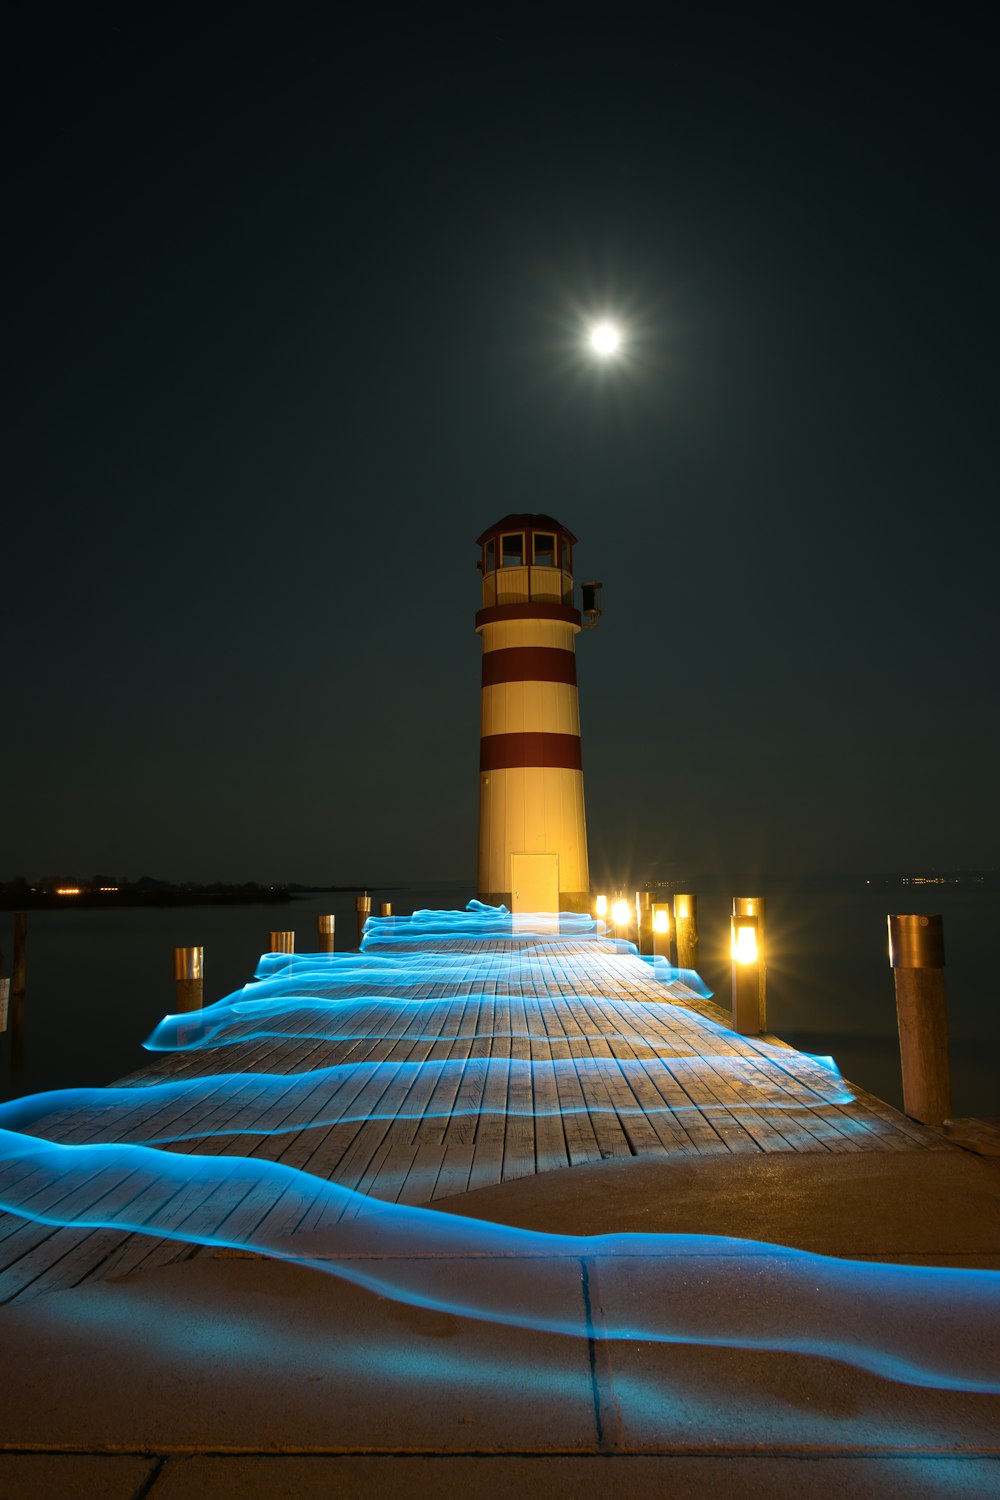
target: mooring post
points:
(746, 975)
(4, 1001)
(17, 967)
(916, 954)
(644, 921)
(362, 911)
(385, 910)
(755, 906)
(281, 942)
(325, 925)
(686, 931)
(17, 989)
(189, 977)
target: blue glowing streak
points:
(924, 1326)
(920, 1325)
(287, 1102)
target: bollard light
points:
(601, 906)
(620, 912)
(661, 929)
(745, 947)
(744, 908)
(326, 924)
(745, 942)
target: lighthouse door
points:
(534, 882)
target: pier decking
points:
(623, 1065)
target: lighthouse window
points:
(545, 550)
(491, 555)
(512, 550)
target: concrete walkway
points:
(224, 1376)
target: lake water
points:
(98, 981)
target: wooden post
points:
(4, 1001)
(17, 967)
(385, 910)
(644, 921)
(755, 906)
(325, 925)
(281, 942)
(17, 990)
(916, 954)
(686, 931)
(746, 975)
(189, 977)
(362, 911)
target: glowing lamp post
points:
(620, 914)
(754, 906)
(746, 975)
(601, 908)
(661, 929)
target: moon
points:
(604, 339)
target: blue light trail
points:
(915, 1324)
(924, 1326)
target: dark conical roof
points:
(525, 521)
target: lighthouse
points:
(532, 826)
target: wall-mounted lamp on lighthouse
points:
(590, 594)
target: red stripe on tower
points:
(498, 752)
(529, 664)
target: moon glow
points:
(604, 339)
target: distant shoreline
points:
(164, 895)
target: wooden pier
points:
(624, 1066)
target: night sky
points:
(297, 307)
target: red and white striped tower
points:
(532, 827)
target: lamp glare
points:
(745, 945)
